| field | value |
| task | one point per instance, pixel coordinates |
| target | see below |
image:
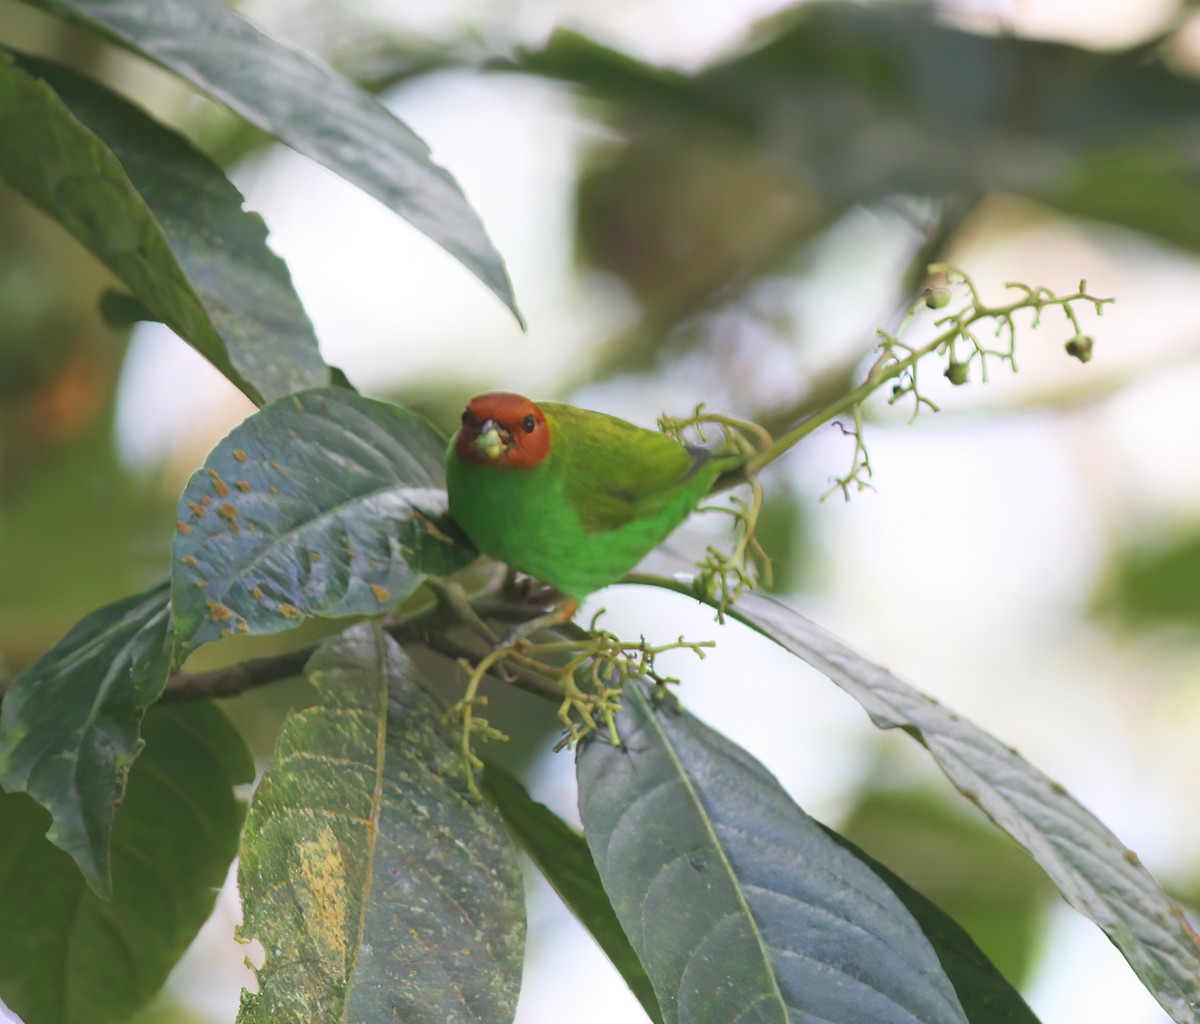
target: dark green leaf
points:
(163, 219)
(996, 891)
(122, 310)
(323, 503)
(69, 723)
(378, 888)
(306, 105)
(985, 994)
(1093, 870)
(562, 856)
(1155, 586)
(739, 905)
(68, 957)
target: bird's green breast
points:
(531, 518)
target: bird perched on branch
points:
(573, 497)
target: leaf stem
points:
(888, 367)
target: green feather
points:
(607, 493)
(623, 472)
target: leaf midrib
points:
(694, 798)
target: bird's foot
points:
(528, 590)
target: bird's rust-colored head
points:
(500, 428)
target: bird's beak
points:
(492, 439)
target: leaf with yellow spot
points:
(348, 520)
(378, 887)
(218, 485)
(324, 890)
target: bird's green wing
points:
(616, 472)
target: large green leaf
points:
(379, 889)
(306, 105)
(739, 904)
(68, 957)
(985, 994)
(1093, 869)
(562, 856)
(162, 218)
(324, 503)
(69, 723)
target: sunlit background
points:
(1030, 555)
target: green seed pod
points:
(1080, 347)
(956, 373)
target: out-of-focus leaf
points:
(739, 904)
(855, 104)
(561, 854)
(69, 723)
(782, 530)
(162, 218)
(1155, 586)
(76, 528)
(306, 105)
(994, 890)
(1148, 188)
(379, 889)
(69, 957)
(324, 503)
(1093, 870)
(679, 215)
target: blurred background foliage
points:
(723, 207)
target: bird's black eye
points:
(528, 424)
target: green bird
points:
(573, 497)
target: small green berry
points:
(1080, 347)
(937, 297)
(956, 373)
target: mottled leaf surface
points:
(562, 856)
(69, 957)
(323, 503)
(379, 889)
(163, 218)
(740, 906)
(69, 723)
(1095, 872)
(306, 105)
